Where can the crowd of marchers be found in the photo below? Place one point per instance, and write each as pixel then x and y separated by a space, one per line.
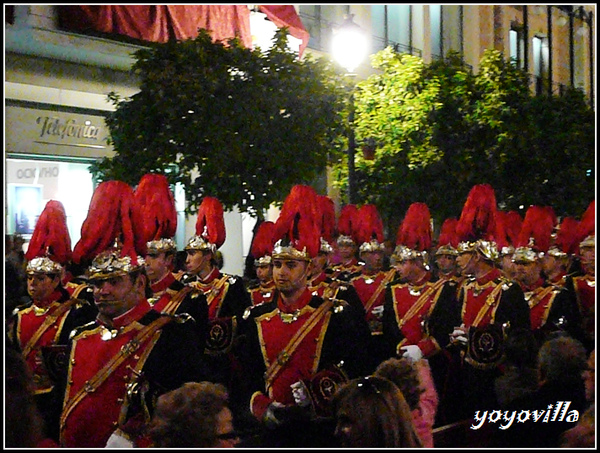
pixel 344 338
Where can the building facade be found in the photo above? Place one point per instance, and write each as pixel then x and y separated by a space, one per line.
pixel 57 81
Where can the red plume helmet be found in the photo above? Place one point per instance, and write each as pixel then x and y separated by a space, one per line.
pixel 155 215
pixel 346 224
pixel 447 241
pixel 327 217
pixel 326 208
pixel 476 229
pixel 107 233
pixel 478 217
pixel 262 245
pixel 512 222
pixel 565 242
pixel 586 231
pixel 297 230
pixel 414 236
pixel 50 246
pixel 210 226
pixel 535 236
pixel 369 229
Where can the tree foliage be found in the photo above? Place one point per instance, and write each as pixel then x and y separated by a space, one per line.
pixel 226 121
pixel 440 128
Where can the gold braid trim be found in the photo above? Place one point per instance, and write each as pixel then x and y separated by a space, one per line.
pixel 102 375
pixel 50 319
pixel 284 356
pixel 388 278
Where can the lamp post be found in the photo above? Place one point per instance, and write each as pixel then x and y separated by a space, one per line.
pixel 349 48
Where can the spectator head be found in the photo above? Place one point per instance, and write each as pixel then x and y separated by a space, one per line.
pixel 404 374
pixel 194 415
pixel 561 358
pixel 371 412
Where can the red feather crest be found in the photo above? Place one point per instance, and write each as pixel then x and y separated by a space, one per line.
pixel 263 242
pixel 478 217
pixel 566 236
pixel 587 224
pixel 327 217
pixel 347 221
pixel 369 225
pixel 448 233
pixel 298 220
pixel 210 224
pixel 415 230
pixel 51 237
pixel 155 214
pixel 108 219
pixel 537 227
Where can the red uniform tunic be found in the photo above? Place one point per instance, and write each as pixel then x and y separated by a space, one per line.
pixel 226 295
pixel 411 306
pixel 48 323
pixel 44 320
pixel 262 293
pixel 105 361
pixel 371 291
pixel 339 335
pixel 276 333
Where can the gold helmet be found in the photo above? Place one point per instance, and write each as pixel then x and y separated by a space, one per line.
pixel 534 238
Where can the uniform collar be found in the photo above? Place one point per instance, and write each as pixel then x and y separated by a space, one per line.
pixel 302 302
pixel 493 274
pixel 135 314
pixel 213 274
pixel 163 283
pixel 44 303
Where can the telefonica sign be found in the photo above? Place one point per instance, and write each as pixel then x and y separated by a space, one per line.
pixel 38 131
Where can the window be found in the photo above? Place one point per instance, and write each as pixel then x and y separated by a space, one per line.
pixel 32 183
pixel 540 64
pixel 391 25
pixel 517 46
pixel 435 20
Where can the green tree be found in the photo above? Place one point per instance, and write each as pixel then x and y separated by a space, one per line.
pixel 440 129
pixel 226 121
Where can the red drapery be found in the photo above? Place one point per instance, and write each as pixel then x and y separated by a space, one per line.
pixel 286 16
pixel 159 23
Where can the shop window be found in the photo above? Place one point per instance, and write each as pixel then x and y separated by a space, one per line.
pixel 30 184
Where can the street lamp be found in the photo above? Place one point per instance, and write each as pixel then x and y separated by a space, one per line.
pixel 349 48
